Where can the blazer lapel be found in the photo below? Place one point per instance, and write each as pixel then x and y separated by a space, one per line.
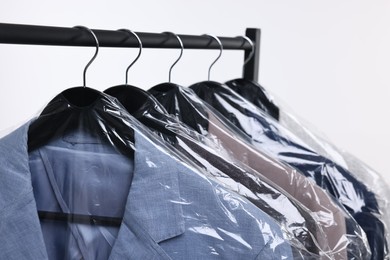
pixel 153 210
pixel 20 231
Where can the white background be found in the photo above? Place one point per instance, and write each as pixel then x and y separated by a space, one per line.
pixel 328 60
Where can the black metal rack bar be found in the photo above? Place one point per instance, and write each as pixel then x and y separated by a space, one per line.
pixel 251 69
pixel 63 36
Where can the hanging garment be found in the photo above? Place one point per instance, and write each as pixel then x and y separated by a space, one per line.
pixel 288 212
pixel 271 137
pixel 169 209
pixel 255 93
pixel 343 233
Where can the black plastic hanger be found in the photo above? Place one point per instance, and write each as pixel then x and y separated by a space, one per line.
pixel 128 95
pixel 205 85
pixel 210 83
pixel 131 97
pixel 64 113
pixel 248 89
pixel 167 93
pixel 253 91
pixel 137 101
pixel 61 107
pixel 169 84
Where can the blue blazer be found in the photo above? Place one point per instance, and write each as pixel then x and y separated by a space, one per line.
pixel 171 211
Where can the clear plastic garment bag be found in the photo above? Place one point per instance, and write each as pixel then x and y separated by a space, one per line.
pixel 275 140
pixel 345 237
pixel 289 213
pixel 316 141
pixel 86 180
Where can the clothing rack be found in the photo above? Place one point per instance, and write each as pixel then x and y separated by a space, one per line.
pixel 63 36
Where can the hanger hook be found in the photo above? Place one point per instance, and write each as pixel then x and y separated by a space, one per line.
pixel 181 53
pixel 94 56
pixel 252 48
pixel 220 52
pixel 139 52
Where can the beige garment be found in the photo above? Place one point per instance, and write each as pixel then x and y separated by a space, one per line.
pixel 330 216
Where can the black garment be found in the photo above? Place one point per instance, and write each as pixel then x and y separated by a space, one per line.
pixel 269 136
pixel 257 95
pixel 260 191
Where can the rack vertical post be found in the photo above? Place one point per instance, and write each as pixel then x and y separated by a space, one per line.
pixel 251 69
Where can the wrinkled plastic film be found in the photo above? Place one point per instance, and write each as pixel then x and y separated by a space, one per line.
pixel 99 161
pixel 318 142
pixel 275 140
pixel 345 237
pixel 364 173
pixel 289 213
pixel 237 177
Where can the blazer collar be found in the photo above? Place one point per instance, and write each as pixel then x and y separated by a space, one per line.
pixel 153 212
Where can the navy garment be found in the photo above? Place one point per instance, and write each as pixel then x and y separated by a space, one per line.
pixel 170 211
pixel 269 136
